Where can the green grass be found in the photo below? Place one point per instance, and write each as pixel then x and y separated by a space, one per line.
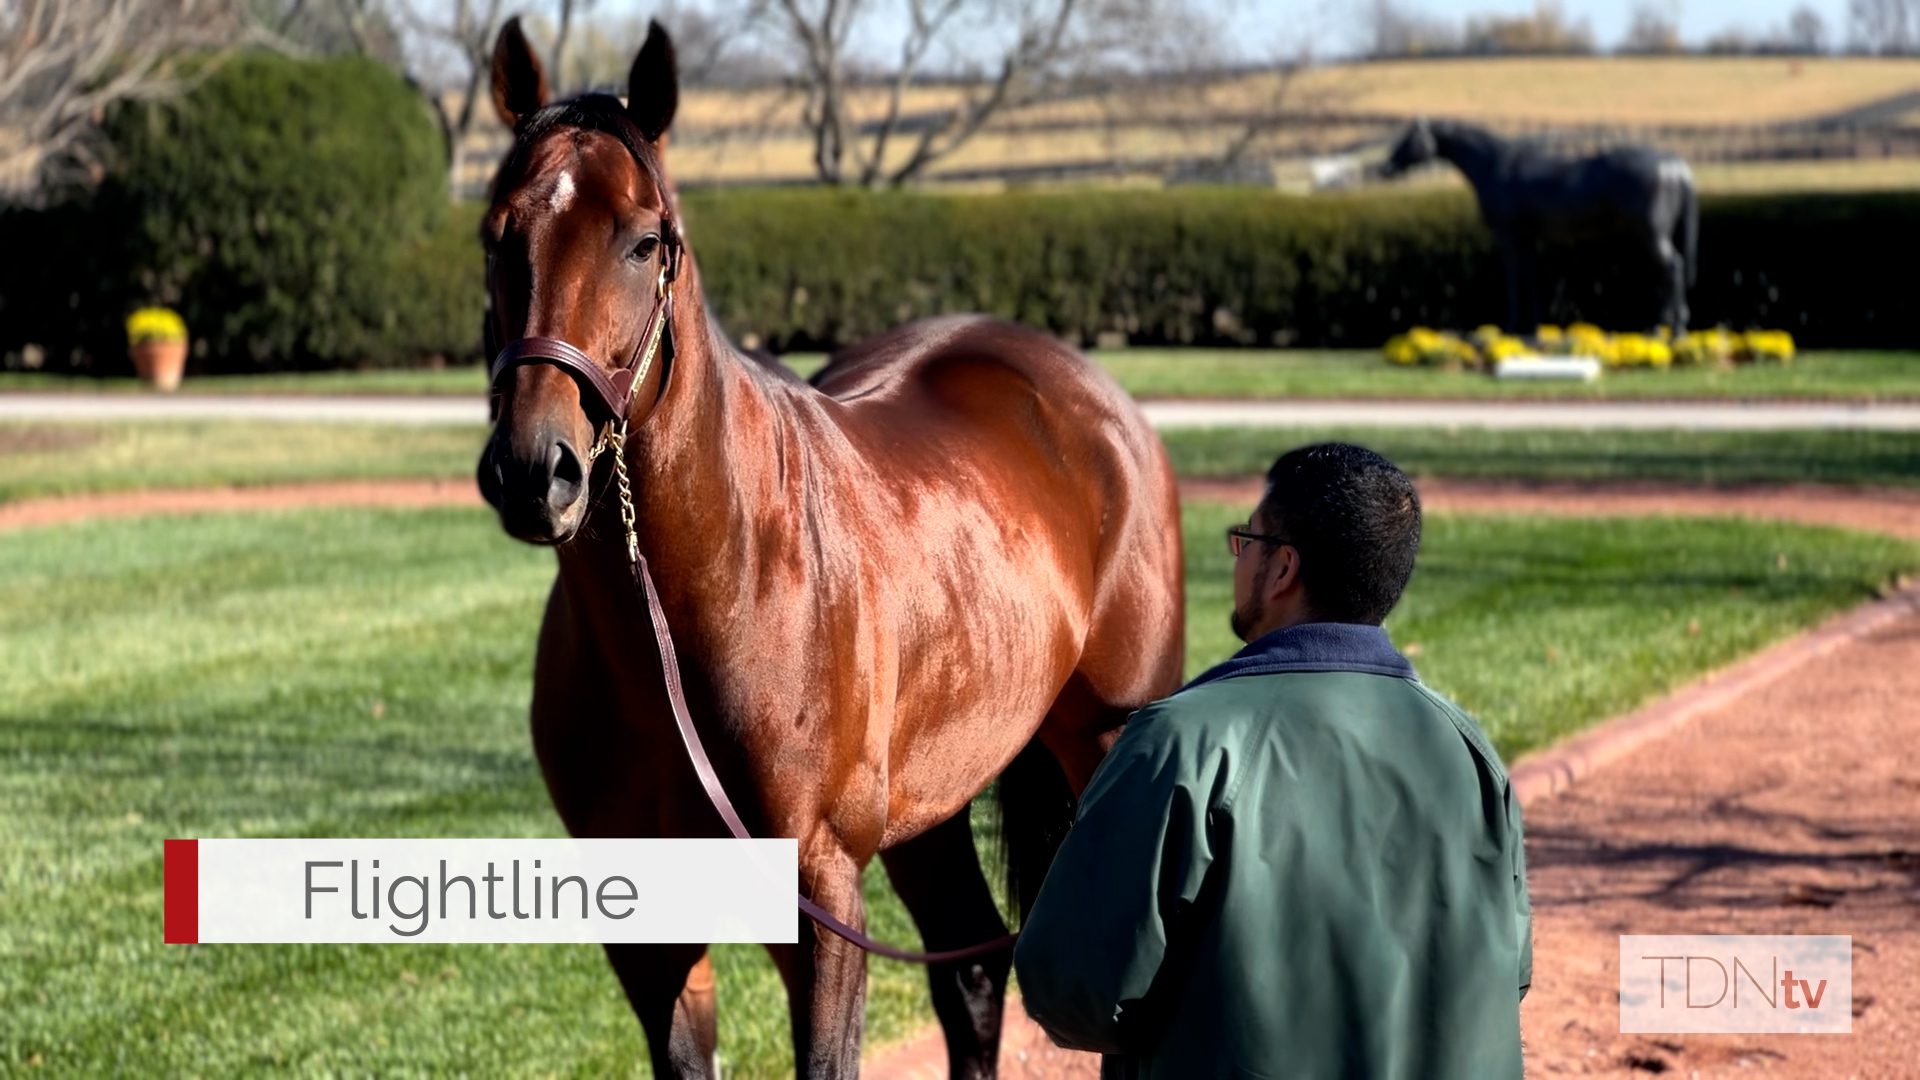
pixel 1861 458
pixel 1221 373
pixel 65 459
pixel 346 673
pixel 57 459
pixel 1315 373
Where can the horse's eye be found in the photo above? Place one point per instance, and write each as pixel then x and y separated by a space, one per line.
pixel 645 248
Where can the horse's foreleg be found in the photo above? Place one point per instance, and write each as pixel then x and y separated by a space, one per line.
pixel 826 977
pixel 671 990
pixel 938 877
pixel 1517 257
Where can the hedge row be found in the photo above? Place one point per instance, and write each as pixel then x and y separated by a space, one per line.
pixel 1224 267
pixel 804 269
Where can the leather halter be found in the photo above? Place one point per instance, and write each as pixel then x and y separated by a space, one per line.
pixel 611 403
pixel 611 400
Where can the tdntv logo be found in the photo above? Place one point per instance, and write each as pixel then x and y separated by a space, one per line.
pixel 1718 983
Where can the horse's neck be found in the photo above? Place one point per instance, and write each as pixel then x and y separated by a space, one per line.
pixel 1474 152
pixel 700 468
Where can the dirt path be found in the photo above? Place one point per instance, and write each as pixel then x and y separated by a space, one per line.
pixel 1894 511
pixel 117 504
pixel 1794 809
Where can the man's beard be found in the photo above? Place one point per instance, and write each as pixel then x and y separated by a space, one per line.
pixel 1245 618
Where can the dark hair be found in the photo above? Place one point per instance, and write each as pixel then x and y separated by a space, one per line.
pixel 1355 519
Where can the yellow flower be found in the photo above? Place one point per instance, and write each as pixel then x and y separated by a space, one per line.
pixel 155 324
pixel 1400 350
pixel 1769 345
pixel 1502 347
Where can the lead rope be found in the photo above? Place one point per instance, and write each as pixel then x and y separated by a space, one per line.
pixel 615 439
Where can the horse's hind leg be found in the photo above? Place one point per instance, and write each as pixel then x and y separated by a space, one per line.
pixel 1673 287
pixel 938 876
pixel 671 990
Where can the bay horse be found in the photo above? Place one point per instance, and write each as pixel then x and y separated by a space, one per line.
pixel 1530 197
pixel 954 555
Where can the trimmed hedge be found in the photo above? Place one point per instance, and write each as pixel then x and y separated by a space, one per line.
pixel 815 268
pixel 295 212
pixel 809 268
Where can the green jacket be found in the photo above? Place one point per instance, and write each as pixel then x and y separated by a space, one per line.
pixel 1305 863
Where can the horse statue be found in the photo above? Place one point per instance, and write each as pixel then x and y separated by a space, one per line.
pixel 954 555
pixel 1530 197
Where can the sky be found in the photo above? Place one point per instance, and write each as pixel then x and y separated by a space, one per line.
pixel 1264 28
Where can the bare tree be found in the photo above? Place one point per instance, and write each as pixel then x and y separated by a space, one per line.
pixel 1043 45
pixel 1806 31
pixel 451 42
pixel 63 63
pixel 1653 31
pixel 1548 31
pixel 1393 29
pixel 563 40
pixel 332 27
pixel 1883 26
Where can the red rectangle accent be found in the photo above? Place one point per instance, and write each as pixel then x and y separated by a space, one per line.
pixel 182 861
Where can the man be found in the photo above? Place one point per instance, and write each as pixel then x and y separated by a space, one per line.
pixel 1305 863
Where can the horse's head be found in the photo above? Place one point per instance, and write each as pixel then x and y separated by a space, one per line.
pixel 1415 148
pixel 581 244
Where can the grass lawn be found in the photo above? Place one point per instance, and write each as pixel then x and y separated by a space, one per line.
pixel 1864 458
pixel 1362 373
pixel 64 459
pixel 340 673
pixel 54 459
pixel 1217 373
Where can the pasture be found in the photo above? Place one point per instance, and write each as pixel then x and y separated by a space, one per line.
pixel 49 459
pixel 745 136
pixel 366 673
pixel 1832 375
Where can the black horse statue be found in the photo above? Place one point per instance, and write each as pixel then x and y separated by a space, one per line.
pixel 1531 198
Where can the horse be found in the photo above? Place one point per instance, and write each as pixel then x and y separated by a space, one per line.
pixel 954 554
pixel 1529 198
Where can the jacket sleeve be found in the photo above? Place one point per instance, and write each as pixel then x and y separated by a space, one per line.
pixel 1522 900
pixel 1127 875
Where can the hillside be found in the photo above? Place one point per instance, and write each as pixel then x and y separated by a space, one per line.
pixel 1735 112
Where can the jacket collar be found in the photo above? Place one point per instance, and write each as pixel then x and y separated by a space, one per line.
pixel 1314 647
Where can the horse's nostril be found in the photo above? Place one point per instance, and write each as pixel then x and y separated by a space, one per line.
pixel 565 475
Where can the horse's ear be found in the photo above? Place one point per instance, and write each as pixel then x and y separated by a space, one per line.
pixel 519 82
pixel 653 85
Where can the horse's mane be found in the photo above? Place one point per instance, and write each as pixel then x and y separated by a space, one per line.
pixel 588 112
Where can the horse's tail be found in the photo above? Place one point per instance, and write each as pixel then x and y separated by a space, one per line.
pixel 1689 226
pixel 1036 810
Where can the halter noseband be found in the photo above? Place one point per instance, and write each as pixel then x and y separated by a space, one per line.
pixel 611 399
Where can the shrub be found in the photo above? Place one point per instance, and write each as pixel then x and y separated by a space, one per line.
pixel 275 203
pixel 289 209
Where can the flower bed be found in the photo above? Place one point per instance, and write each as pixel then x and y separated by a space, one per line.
pixel 1488 345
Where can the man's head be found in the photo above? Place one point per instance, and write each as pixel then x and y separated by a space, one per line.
pixel 1333 540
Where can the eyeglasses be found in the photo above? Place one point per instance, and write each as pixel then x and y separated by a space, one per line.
pixel 1239 536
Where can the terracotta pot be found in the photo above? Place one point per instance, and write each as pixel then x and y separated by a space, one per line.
pixel 160 363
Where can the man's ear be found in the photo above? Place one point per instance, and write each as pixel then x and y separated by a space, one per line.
pixel 653 84
pixel 519 82
pixel 1283 573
